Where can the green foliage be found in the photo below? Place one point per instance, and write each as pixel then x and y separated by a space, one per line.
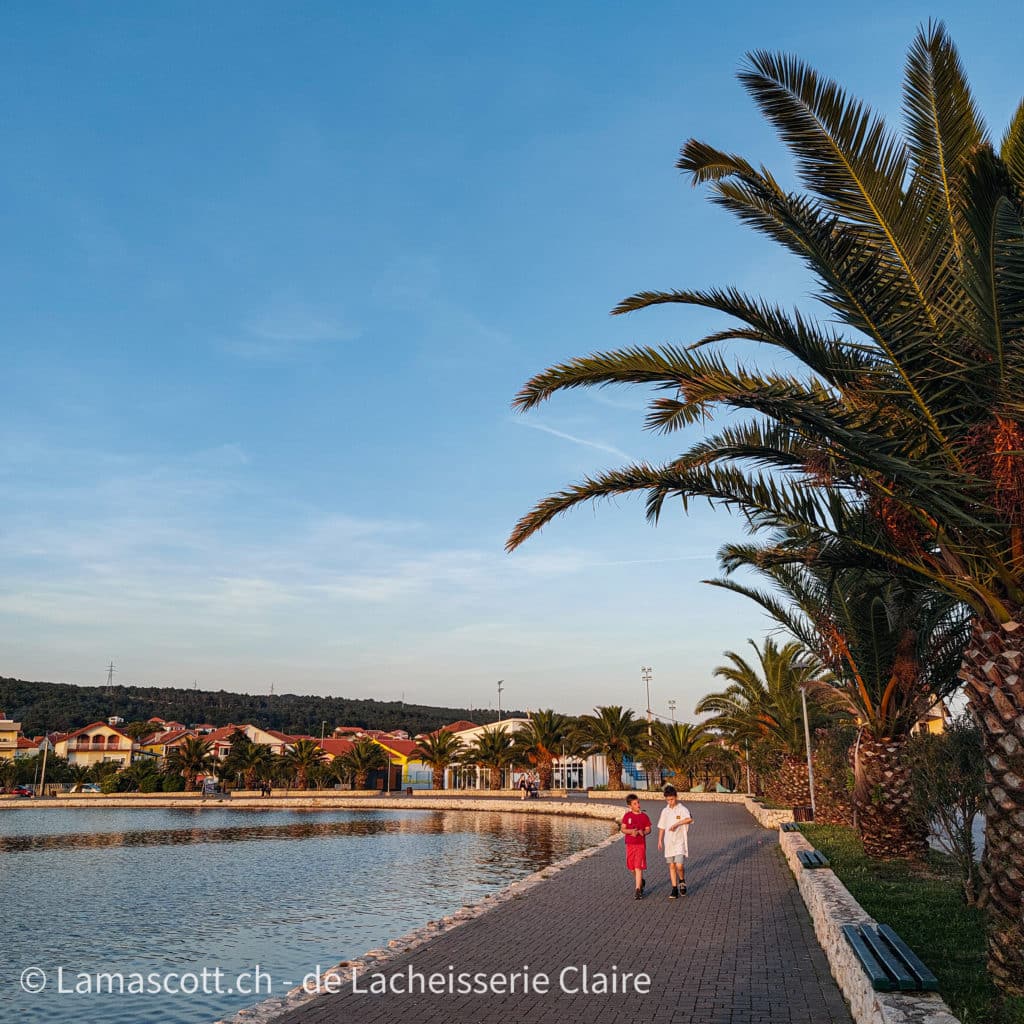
pixel 171 782
pixel 763 702
pixel 60 706
pixel 948 774
pixel 926 907
pixel 364 757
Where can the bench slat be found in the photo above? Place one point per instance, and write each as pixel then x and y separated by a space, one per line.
pixel 889 959
pixel 925 979
pixel 880 981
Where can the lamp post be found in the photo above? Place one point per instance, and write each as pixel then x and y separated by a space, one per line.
pixel 500 689
pixel 672 710
pixel 645 675
pixel 323 728
pixel 807 741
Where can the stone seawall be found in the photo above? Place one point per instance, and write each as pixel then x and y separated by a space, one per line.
pixel 831 905
pixel 138 801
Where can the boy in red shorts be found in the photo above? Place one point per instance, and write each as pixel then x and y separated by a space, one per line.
pixel 636 826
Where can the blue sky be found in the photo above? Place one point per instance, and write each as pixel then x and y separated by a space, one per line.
pixel 273 273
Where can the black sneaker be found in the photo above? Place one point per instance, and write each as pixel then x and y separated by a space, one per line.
pixel 674 894
pixel 639 894
pixel 682 890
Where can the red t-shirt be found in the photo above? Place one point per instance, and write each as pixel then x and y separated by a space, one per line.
pixel 638 820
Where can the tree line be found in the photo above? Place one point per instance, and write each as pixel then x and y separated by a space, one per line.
pixel 64 707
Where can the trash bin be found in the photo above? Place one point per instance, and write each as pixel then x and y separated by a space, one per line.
pixel 803 814
pixel 408 790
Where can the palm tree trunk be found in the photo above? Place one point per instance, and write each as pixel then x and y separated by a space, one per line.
pixel 437 776
pixel 882 801
pixel 788 785
pixel 614 772
pixel 495 780
pixel 992 669
pixel 833 801
pixel 545 772
pixel 360 780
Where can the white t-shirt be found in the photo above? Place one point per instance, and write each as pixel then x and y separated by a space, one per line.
pixel 674 842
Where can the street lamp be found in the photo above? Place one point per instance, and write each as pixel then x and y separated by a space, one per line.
pixel 807 741
pixel 500 689
pixel 672 710
pixel 645 675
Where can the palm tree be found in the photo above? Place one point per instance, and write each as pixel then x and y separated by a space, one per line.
pixel 613 732
pixel 892 647
pixel 910 409
pixel 539 742
pixel 764 703
pixel 192 758
pixel 364 757
pixel 681 748
pixel 78 775
pixel 301 758
pixel 250 761
pixel 439 750
pixel 492 750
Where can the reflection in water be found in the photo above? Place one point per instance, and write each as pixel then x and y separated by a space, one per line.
pixel 428 823
pixel 234 888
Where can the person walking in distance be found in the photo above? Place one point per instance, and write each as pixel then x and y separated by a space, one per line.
pixel 672 838
pixel 636 827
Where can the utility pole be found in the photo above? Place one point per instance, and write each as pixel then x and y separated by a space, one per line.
pixel 42 773
pixel 110 674
pixel 500 689
pixel 645 675
pixel 672 710
pixel 807 740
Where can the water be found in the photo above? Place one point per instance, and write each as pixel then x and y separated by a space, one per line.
pixel 140 891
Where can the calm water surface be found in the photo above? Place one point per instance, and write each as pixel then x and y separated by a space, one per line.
pixel 176 891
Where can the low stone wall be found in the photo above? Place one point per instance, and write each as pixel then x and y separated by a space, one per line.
pixel 343 801
pixel 763 816
pixel 655 794
pixel 831 906
pixel 490 794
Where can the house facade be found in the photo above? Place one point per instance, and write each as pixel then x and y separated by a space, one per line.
pixel 9 731
pixel 98 743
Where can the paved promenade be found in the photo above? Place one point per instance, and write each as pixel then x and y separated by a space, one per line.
pixel 738 949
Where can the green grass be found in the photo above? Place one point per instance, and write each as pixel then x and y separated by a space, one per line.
pixel 926 908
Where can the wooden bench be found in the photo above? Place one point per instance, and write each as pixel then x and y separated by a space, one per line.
pixel 812 859
pixel 887 960
pixel 790 826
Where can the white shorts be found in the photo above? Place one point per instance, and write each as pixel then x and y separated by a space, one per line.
pixel 674 858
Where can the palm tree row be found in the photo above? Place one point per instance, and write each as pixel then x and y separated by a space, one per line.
pixel 900 435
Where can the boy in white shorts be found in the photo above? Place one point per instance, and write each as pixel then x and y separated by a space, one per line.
pixel 672 828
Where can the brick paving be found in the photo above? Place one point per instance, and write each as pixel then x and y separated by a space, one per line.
pixel 738 949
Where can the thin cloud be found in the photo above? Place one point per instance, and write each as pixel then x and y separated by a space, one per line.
pixel 599 445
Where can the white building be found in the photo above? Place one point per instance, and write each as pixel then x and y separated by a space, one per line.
pixel 569 772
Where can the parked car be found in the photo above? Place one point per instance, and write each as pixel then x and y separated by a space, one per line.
pixel 22 791
pixel 90 787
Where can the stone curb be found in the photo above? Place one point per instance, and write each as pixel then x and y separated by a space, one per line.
pixel 321 803
pixel 336 978
pixel 830 905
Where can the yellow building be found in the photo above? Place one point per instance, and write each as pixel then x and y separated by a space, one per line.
pixel 404 755
pixel 8 738
pixel 96 744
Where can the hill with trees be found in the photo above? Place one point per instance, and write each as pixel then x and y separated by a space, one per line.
pixel 41 706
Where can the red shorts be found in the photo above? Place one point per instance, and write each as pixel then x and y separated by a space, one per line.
pixel 636 856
